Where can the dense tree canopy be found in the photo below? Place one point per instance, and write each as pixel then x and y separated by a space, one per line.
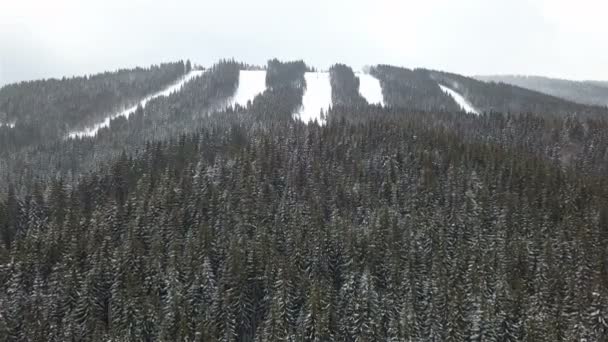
pixel 345 87
pixel 195 221
pixel 281 74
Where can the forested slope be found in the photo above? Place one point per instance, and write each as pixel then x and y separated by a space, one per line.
pixel 47 109
pixel 193 221
pixel 412 89
pixel 418 89
pixel 377 231
pixel 506 98
pixel 285 86
pixel 162 118
pixel 345 87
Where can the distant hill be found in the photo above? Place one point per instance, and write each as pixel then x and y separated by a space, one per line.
pixel 585 92
pixel 603 84
pixel 507 97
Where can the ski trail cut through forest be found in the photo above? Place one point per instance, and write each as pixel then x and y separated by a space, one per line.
pixel 251 83
pixel 370 89
pixel 462 102
pixel 92 131
pixel 317 97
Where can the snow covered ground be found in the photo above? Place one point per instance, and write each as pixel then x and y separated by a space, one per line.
pixel 92 131
pixel 251 83
pixel 316 98
pixel 9 125
pixel 462 102
pixel 370 89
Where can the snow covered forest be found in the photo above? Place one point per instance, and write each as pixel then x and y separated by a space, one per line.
pixel 204 218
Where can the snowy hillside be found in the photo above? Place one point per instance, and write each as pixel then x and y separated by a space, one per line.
pixel 251 83
pixel 92 131
pixel 370 89
pixel 462 102
pixel 317 97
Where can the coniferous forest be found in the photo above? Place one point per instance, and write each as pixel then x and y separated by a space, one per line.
pixel 191 220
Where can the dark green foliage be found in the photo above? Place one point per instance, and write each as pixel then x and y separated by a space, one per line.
pixel 162 118
pixel 412 89
pixel 345 87
pixel 389 230
pixel 285 88
pixel 281 74
pixel 277 103
pixel 386 224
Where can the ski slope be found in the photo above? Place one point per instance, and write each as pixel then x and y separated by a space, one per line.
pixel 92 131
pixel 251 83
pixel 370 89
pixel 317 97
pixel 462 102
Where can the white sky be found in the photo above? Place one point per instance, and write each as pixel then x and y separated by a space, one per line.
pixel 558 38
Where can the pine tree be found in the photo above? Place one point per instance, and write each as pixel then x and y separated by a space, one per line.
pixel 597 317
pixel 14 312
pixel 365 316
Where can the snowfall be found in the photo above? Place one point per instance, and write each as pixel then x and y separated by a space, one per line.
pixel 462 102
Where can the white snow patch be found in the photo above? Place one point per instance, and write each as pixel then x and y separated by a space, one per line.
pixel 462 102
pixel 317 97
pixel 370 89
pixel 92 131
pixel 251 83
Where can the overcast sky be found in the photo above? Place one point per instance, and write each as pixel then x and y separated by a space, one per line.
pixel 558 38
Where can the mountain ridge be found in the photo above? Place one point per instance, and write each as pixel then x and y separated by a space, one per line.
pixel 584 92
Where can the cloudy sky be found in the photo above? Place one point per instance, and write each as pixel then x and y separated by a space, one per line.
pixel 558 38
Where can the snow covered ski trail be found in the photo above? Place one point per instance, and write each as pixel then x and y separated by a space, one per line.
pixel 462 102
pixel 251 83
pixel 370 89
pixel 317 97
pixel 92 131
